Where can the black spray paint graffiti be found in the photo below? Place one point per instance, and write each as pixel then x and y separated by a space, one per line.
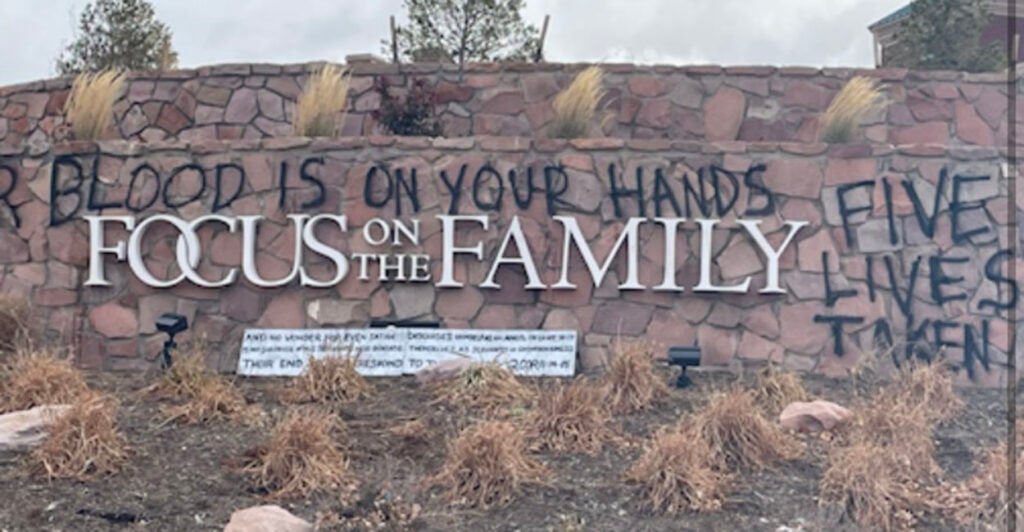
pixel 9 176
pixel 923 338
pixel 72 189
pixel 712 191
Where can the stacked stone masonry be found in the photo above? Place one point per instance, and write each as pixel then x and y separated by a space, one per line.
pixel 251 101
pixel 916 248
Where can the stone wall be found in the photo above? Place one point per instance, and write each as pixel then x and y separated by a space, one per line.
pixel 683 103
pixel 903 244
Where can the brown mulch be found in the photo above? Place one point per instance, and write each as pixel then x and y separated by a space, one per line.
pixel 187 477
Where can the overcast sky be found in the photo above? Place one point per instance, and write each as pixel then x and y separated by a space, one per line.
pixel 729 32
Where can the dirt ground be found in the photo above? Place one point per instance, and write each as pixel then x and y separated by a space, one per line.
pixel 186 478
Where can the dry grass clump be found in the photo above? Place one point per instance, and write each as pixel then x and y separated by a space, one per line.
pixel 570 418
pixel 857 99
pixel 906 436
pixel 83 442
pixel 89 108
pixel 34 378
pixel 322 103
pixel 486 389
pixel 739 436
pixel 882 470
pixel 675 473
pixel 983 498
pixel 927 388
pixel 631 382
pixel 485 465
pixel 206 395
pixel 14 322
pixel 301 457
pixel 327 380
pixel 864 481
pixel 775 389
pixel 575 106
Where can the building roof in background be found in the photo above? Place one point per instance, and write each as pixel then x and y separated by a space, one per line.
pixel 892 18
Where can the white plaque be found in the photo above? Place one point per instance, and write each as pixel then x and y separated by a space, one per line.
pixel 396 351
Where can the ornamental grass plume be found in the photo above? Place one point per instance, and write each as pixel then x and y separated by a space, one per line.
pixel 857 99
pixel 321 106
pixel 485 389
pixel 739 436
pixel 571 418
pixel 332 379
pixel 89 108
pixel 301 456
pixel 202 394
pixel 486 464
pixel 83 442
pixel 36 378
pixel 870 488
pixel 882 471
pixel 675 473
pixel 575 106
pixel 631 383
pixel 775 389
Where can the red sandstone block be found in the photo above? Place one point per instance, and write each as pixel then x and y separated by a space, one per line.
pixel 508 144
pixel 55 297
pixel 703 70
pixel 597 144
pixel 798 71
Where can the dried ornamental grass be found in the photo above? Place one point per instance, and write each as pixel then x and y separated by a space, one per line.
pixel 984 498
pixel 215 400
pixel 906 436
pixel 486 464
pixel 321 106
pixel 927 388
pixel 570 418
pixel 486 389
pixel 14 322
pixel 206 395
pixel 574 107
pixel 631 383
pixel 862 481
pixel 89 108
pixel 327 380
pixel 301 457
pixel 34 378
pixel 857 99
pixel 775 389
pixel 675 473
pixel 83 442
pixel 739 436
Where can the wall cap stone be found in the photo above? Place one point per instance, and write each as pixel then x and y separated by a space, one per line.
pixel 366 68
pixel 121 147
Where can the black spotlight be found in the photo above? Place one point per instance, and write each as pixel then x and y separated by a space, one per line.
pixel 171 324
pixel 683 357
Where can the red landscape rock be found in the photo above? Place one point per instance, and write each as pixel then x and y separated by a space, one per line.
pixel 814 416
pixel 268 518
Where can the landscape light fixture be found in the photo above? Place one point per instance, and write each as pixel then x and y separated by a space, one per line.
pixel 684 357
pixel 171 324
